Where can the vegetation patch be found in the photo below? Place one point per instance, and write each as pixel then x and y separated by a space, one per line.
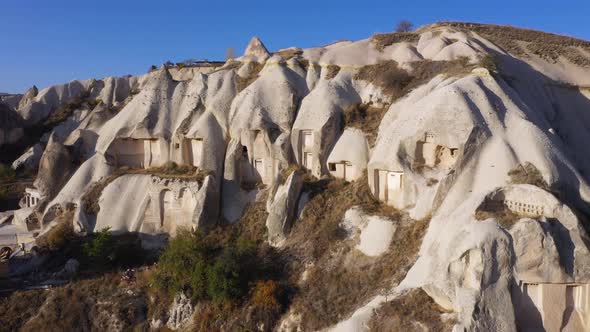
pixel 413 311
pixel 504 216
pixel 397 82
pixel 304 63
pixel 518 41
pixel 12 186
pixel 335 288
pixel 342 278
pixel 97 304
pixel 243 82
pixel 60 235
pixel 332 71
pixel 382 40
pixel 289 53
pixel 63 112
pixel 19 307
pixel 386 75
pixel 528 173
pixel 365 117
pixel 235 281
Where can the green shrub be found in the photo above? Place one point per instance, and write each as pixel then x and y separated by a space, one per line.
pixel 193 264
pixel 7 173
pixel 100 247
pixel 104 250
pixel 4 193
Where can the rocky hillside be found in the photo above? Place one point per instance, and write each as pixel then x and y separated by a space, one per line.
pixel 427 180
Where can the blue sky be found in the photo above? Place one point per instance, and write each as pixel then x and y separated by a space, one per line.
pixel 50 42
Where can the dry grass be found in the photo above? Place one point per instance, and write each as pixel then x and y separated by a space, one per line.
pixel 90 197
pixel 289 53
pixel 63 112
pixel 387 75
pixel 337 286
pixel 518 41
pixel 504 217
pixel 413 311
pixel 19 307
pixel 99 304
pixel 431 182
pixel 382 40
pixel 527 173
pixel 342 278
pixel 397 82
pixel 305 63
pixel 243 82
pixel 318 228
pixel 332 71
pixel 60 235
pixel 366 118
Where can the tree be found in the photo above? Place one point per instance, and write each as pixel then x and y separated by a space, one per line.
pixel 404 26
pixel 230 53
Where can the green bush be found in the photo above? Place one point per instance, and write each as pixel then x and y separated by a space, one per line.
pixel 6 173
pixel 4 193
pixel 101 247
pixel 190 263
pixel 105 251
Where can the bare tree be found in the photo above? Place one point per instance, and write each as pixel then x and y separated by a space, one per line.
pixel 230 53
pixel 404 26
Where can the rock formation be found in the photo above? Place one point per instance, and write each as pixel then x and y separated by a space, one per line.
pixel 454 110
pixel 281 208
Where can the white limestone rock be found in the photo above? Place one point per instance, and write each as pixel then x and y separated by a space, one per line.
pixel 48 99
pixel 181 312
pixel 351 148
pixel 31 93
pixel 553 249
pixel 372 234
pixel 55 169
pixel 282 208
pixel 30 159
pixel 537 256
pixel 256 51
pixel 11 125
pixel 320 117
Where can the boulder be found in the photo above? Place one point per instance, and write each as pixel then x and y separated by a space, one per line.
pixel 30 159
pixel 28 96
pixel 11 127
pixel 55 169
pixel 181 312
pixel 282 207
pixel 537 256
pixel 69 270
pixel 373 234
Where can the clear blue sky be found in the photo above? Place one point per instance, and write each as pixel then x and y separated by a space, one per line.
pixel 46 42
